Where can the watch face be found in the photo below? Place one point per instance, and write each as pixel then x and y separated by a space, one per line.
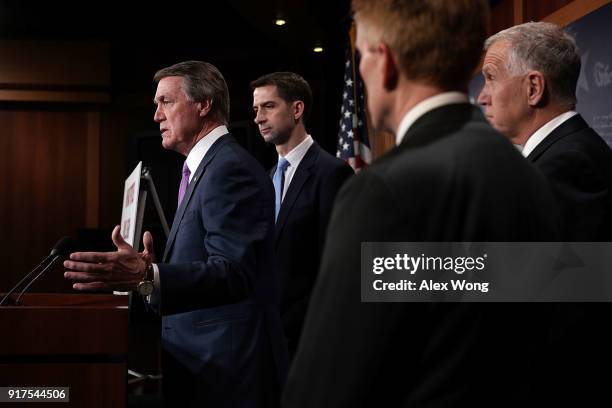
pixel 145 288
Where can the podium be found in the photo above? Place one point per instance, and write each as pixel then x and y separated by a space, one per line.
pixel 78 341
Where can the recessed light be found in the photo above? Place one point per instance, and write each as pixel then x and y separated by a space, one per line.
pixel 318 49
pixel 280 22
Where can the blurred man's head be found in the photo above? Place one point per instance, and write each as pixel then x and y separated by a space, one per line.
pixel 437 43
pixel 530 71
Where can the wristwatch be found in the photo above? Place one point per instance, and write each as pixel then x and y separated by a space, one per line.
pixel 145 288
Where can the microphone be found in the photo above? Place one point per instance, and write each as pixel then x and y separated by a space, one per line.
pixel 62 247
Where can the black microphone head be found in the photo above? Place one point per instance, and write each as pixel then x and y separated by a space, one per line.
pixel 63 247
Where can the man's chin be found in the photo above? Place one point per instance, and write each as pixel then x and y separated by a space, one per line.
pixel 276 140
pixel 497 127
pixel 167 144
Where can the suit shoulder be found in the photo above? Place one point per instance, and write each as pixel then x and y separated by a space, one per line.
pixel 233 151
pixel 581 149
pixel 233 159
pixel 363 194
pixel 371 182
pixel 455 157
pixel 331 164
pixel 237 155
pixel 585 140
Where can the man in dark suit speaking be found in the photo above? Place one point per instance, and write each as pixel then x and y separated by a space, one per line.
pixel 531 71
pixel 215 286
pixel 451 177
pixel 306 180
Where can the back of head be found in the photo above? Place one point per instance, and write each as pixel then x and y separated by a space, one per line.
pixel 202 81
pixel 290 87
pixel 546 48
pixel 435 41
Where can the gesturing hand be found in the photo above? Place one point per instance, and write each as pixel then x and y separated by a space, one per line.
pixel 121 270
pixel 147 254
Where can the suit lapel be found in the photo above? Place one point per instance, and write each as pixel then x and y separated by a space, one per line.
pixel 302 174
pixel 572 125
pixel 195 180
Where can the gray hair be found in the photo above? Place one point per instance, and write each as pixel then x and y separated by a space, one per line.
pixel 201 81
pixel 546 48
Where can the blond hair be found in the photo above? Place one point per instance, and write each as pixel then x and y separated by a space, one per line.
pixel 437 41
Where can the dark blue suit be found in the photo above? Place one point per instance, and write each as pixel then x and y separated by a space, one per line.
pixel 300 233
pixel 221 329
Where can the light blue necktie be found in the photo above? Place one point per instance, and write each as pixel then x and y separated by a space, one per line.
pixel 279 182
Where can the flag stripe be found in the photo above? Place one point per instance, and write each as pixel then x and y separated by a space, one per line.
pixel 353 141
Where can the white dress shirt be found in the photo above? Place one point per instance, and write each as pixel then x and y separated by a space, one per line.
pixel 540 134
pixel 426 105
pixel 294 157
pixel 197 153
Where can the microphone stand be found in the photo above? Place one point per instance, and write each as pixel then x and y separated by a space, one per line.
pixel 34 280
pixel 14 288
pixel 62 247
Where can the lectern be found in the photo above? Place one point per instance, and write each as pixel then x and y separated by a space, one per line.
pixel 78 341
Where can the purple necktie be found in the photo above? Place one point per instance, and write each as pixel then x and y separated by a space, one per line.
pixel 184 183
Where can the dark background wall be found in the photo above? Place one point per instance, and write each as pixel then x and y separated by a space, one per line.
pixel 76 123
pixel 76 100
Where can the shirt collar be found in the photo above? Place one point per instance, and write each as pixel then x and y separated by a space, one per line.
pixel 540 134
pixel 197 153
pixel 295 156
pixel 426 105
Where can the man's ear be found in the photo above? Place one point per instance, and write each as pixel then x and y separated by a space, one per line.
pixel 390 68
pixel 204 107
pixel 536 86
pixel 298 110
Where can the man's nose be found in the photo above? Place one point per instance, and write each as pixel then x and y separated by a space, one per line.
pixel 158 116
pixel 483 97
pixel 259 118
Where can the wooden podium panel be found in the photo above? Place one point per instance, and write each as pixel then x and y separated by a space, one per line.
pixel 67 340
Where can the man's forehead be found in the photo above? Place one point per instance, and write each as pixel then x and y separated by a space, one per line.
pixel 169 85
pixel 497 53
pixel 265 93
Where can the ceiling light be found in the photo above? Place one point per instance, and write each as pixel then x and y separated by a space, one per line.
pixel 318 49
pixel 280 22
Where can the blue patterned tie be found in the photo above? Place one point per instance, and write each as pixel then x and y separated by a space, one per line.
pixel 279 181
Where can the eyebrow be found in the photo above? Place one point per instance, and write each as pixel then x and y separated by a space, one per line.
pixel 263 103
pixel 159 98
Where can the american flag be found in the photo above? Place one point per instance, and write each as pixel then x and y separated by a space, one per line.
pixel 353 142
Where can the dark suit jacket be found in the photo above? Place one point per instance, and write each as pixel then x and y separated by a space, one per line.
pixel 300 233
pixel 221 329
pixel 578 165
pixel 453 178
